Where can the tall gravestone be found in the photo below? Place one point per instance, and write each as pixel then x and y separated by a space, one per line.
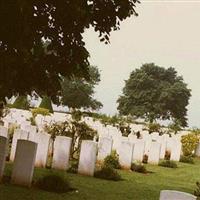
pixel 125 154
pixel 42 139
pixel 138 151
pixel 104 148
pixel 154 153
pixel 176 151
pixel 175 195
pixel 163 144
pixel 61 155
pixel 197 151
pixel 3 150
pixel 3 131
pixel 87 158
pixel 23 167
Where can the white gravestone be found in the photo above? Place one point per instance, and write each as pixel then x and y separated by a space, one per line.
pixel 3 131
pixel 23 167
pixel 18 134
pixel 42 139
pixel 87 158
pixel 125 154
pixel 154 153
pixel 176 151
pixel 3 151
pixel 104 148
pixel 163 147
pixel 197 151
pixel 175 195
pixel 138 151
pixel 61 155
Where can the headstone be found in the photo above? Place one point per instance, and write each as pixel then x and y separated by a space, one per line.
pixel 125 154
pixel 3 151
pixel 18 134
pixel 3 131
pixel 104 148
pixel 138 151
pixel 176 151
pixel 163 144
pixel 23 167
pixel 42 139
pixel 154 136
pixel 197 151
pixel 154 153
pixel 87 158
pixel 175 195
pixel 61 155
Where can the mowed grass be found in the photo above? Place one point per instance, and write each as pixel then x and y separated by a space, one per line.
pixel 135 186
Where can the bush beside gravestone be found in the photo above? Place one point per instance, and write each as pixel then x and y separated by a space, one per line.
pixel 46 103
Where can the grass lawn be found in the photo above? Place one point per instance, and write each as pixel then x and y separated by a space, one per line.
pixel 135 186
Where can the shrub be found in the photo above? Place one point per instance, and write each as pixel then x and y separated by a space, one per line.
pixel 21 103
pixel 40 111
pixel 46 103
pixel 145 159
pixel 167 155
pixel 187 159
pixel 189 143
pixel 73 167
pixel 168 163
pixel 112 160
pixel 108 173
pixel 140 168
pixel 154 127
pixel 197 191
pixel 53 183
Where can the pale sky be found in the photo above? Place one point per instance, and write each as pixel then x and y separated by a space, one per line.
pixel 166 33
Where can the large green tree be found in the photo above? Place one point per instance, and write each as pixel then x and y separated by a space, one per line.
pixel 25 24
pixel 79 92
pixel 153 92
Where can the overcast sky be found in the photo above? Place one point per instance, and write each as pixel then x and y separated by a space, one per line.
pixel 165 32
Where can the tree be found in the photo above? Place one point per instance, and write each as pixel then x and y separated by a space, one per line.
pixel 78 92
pixel 153 92
pixel 25 65
pixel 46 103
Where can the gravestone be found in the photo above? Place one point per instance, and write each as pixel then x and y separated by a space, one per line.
pixel 87 158
pixel 125 154
pixel 61 155
pixel 197 151
pixel 175 195
pixel 176 151
pixel 104 148
pixel 3 131
pixel 163 144
pixel 3 151
pixel 42 139
pixel 154 136
pixel 23 167
pixel 138 151
pixel 154 153
pixel 31 132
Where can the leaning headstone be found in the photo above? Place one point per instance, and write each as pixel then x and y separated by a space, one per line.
pixel 175 195
pixel 104 148
pixel 176 151
pixel 154 153
pixel 42 139
pixel 87 158
pixel 23 167
pixel 125 154
pixel 3 150
pixel 138 151
pixel 61 155
pixel 3 131
pixel 18 134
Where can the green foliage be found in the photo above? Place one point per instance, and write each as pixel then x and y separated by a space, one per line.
pixel 154 127
pixel 168 163
pixel 46 103
pixel 112 160
pixel 187 159
pixel 197 190
pixel 153 92
pixel 53 183
pixel 40 111
pixel 29 63
pixel 21 103
pixel 189 143
pixel 77 130
pixel 175 126
pixel 73 167
pixel 78 92
pixel 108 173
pixel 140 168
pixel 76 115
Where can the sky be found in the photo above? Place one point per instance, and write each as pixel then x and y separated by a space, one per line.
pixel 166 33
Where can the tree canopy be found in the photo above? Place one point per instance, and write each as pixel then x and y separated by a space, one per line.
pixel 153 92
pixel 25 65
pixel 78 92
